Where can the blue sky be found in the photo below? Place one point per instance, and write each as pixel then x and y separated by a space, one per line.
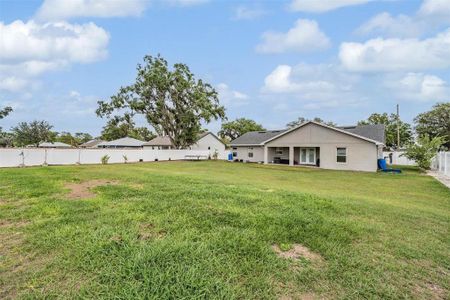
pixel 271 61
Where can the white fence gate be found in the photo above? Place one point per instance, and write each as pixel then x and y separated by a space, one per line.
pixel 441 163
pixel 37 157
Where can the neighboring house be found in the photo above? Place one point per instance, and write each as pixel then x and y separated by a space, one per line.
pixel 209 141
pixel 122 143
pixel 91 144
pixel 206 141
pixel 314 144
pixel 159 143
pixel 58 145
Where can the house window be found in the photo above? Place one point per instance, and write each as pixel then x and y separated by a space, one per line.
pixel 234 154
pixel 341 155
pixel 278 151
pixel 209 148
pixel 250 154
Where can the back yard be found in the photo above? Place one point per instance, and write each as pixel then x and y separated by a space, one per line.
pixel 222 230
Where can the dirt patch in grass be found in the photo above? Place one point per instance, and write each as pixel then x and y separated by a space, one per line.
pixel 297 251
pixel 434 291
pixel 83 190
pixel 149 231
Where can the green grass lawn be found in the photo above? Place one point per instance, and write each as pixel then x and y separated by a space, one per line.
pixel 206 230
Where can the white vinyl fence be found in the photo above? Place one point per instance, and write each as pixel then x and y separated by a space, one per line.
pixel 441 163
pixel 38 157
pixel 396 158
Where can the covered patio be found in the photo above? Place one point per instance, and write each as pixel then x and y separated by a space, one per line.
pixel 292 155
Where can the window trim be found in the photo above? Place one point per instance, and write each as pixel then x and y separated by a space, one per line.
pixel 346 155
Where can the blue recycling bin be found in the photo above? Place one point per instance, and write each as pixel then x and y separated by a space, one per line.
pixel 230 156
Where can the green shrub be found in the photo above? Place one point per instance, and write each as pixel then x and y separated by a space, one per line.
pixel 424 150
pixel 105 159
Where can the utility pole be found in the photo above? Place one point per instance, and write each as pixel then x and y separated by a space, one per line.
pixel 398 128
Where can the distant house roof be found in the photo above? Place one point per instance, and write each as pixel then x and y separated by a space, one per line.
pixel 123 142
pixel 54 145
pixel 159 141
pixel 372 133
pixel 253 138
pixel 91 143
pixel 165 140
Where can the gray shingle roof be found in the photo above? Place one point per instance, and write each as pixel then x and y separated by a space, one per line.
pixel 159 141
pixel 256 137
pixel 123 142
pixel 91 143
pixel 373 132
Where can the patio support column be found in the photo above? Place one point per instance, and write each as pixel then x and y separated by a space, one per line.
pixel 266 155
pixel 291 155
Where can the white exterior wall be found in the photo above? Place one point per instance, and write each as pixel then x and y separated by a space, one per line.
pixel 242 153
pixel 38 157
pixel 361 155
pixel 210 143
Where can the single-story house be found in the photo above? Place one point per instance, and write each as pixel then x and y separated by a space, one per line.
pixel 57 145
pixel 159 143
pixel 91 144
pixel 122 143
pixel 314 144
pixel 206 141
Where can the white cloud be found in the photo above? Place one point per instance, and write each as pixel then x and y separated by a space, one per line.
pixel 319 6
pixel 305 36
pixel 186 2
pixel 246 13
pixel 431 15
pixel 30 49
pixel 399 26
pixel 419 87
pixel 52 41
pixel 230 97
pixel 435 8
pixel 312 86
pixel 397 54
pixel 57 10
pixel 12 84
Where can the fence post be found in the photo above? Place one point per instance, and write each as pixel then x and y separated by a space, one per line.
pixel 445 163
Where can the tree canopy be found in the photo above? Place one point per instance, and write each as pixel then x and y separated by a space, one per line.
pixel 302 120
pixel 33 133
pixel 73 140
pixel 391 122
pixel 435 122
pixel 119 127
pixel 5 111
pixel 172 100
pixel 234 129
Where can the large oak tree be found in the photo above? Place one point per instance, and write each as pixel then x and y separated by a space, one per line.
pixel 172 101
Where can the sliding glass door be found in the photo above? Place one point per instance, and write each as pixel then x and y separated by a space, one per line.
pixel 308 156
